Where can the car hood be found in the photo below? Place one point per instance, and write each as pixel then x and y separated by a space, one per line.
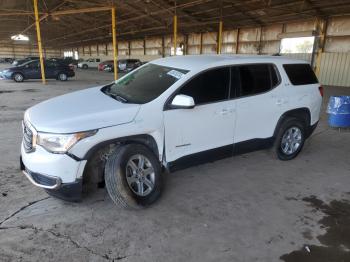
pixel 80 111
pixel 11 68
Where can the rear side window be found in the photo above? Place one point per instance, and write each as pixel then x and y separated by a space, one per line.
pixel 300 74
pixel 253 79
pixel 208 87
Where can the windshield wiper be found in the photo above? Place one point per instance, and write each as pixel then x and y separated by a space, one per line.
pixel 121 99
pixel 118 98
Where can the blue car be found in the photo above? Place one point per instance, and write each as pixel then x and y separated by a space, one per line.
pixel 32 70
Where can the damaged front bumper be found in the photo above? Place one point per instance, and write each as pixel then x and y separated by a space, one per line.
pixel 53 185
pixel 60 175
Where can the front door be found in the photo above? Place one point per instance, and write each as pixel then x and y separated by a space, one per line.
pixel 209 126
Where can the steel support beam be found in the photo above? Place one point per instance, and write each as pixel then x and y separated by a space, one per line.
pixel 82 10
pixel 114 36
pixel 38 33
pixel 237 41
pixel 219 38
pixel 320 41
pixel 175 34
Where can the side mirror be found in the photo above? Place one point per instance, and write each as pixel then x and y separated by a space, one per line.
pixel 182 102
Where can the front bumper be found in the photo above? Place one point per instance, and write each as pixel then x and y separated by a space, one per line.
pixel 5 76
pixel 59 174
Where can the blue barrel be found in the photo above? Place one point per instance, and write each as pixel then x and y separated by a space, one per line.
pixel 339 111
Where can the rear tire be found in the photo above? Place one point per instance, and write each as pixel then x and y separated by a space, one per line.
pixel 62 77
pixel 18 77
pixel 131 182
pixel 290 139
pixel 85 66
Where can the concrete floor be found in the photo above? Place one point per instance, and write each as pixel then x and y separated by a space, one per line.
pixel 246 208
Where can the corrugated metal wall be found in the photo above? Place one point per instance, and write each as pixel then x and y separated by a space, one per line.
pixel 335 69
pixel 259 40
pixel 22 50
pixel 301 56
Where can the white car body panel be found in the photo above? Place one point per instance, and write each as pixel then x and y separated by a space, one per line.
pixel 55 165
pixel 80 111
pixel 177 132
pixel 187 130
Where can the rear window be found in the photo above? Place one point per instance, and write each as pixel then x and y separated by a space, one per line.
pixel 300 74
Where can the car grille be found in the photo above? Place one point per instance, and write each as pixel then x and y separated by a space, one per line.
pixel 27 138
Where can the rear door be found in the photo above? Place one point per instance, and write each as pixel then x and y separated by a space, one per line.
pixel 304 89
pixel 51 69
pixel 260 100
pixel 209 125
pixel 32 70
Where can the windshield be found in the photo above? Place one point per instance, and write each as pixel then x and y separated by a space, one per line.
pixel 24 62
pixel 145 84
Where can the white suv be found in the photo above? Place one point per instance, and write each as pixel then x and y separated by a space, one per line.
pixel 168 114
pixel 89 63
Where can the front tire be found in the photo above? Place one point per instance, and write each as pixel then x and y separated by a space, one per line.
pixel 85 66
pixel 290 139
pixel 133 176
pixel 18 77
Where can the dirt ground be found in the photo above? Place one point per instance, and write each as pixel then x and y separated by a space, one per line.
pixel 247 208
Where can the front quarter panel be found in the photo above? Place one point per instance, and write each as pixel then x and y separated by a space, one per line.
pixel 147 122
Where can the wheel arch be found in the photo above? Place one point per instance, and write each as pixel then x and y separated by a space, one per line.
pixel 95 156
pixel 18 72
pixel 144 139
pixel 302 113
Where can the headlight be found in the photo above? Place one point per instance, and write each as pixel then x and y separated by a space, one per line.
pixel 5 71
pixel 61 143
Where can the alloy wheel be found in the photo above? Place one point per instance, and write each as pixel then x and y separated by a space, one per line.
pixel 140 175
pixel 18 77
pixel 63 77
pixel 291 140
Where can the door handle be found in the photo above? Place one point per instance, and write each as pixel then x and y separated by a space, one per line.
pixel 226 111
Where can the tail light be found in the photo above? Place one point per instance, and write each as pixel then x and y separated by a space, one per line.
pixel 321 90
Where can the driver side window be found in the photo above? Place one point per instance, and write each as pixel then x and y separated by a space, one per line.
pixel 208 87
pixel 34 64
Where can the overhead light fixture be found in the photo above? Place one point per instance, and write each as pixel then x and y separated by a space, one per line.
pixel 20 37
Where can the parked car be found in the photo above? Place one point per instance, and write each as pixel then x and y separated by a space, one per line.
pixel 24 60
pixel 124 65
pixel 66 61
pixel 169 114
pixel 6 60
pixel 101 66
pixel 32 70
pixel 89 63
pixel 70 61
